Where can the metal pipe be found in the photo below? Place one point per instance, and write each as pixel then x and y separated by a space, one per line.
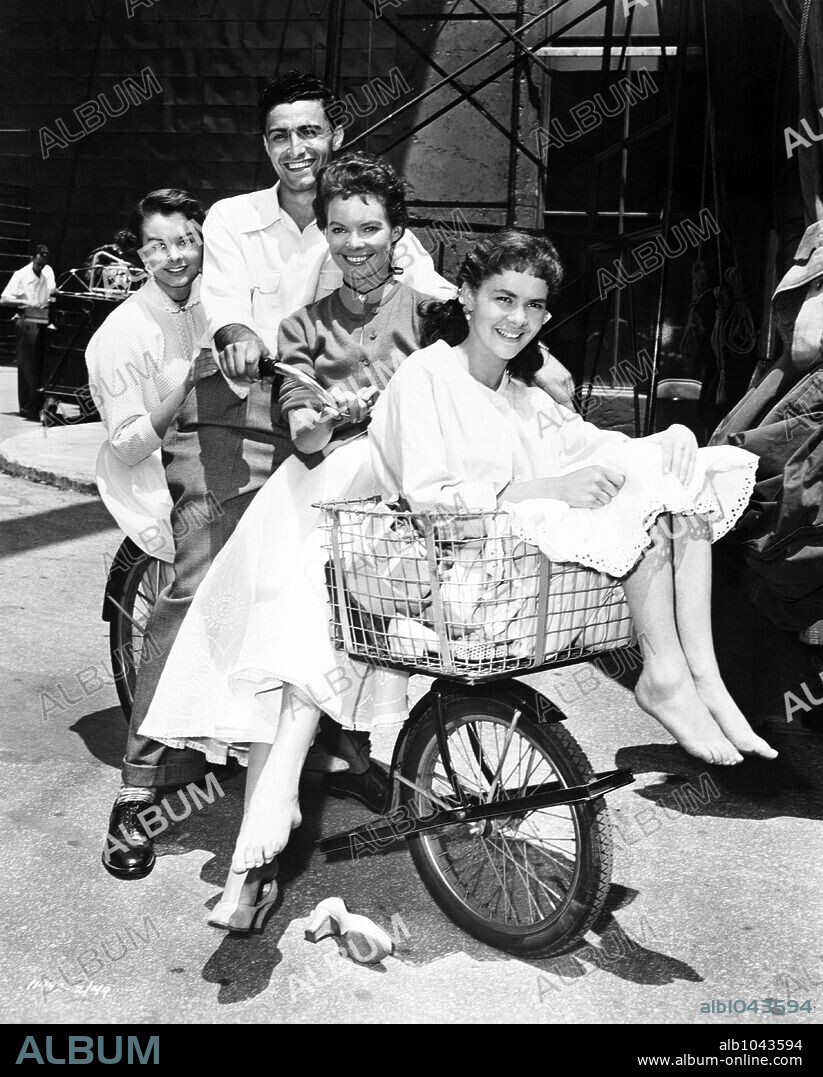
pixel 518 17
pixel 465 92
pixel 336 27
pixel 654 377
pixel 514 122
pixel 474 63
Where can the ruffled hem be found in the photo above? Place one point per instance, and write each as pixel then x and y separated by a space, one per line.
pixel 215 751
pixel 625 549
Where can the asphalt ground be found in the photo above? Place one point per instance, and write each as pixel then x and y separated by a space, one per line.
pixel 715 889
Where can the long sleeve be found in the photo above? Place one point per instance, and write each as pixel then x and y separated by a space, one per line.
pixel 295 350
pixel 13 292
pixel 413 456
pixel 136 359
pixel 227 285
pixel 559 437
pixel 118 367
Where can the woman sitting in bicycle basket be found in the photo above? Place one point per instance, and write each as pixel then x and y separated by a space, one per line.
pixel 459 425
pixel 460 429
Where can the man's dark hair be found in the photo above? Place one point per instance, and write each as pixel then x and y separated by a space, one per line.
pixel 40 248
pixel 167 200
pixel 290 87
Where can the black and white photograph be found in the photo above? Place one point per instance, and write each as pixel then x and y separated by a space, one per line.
pixel 411 524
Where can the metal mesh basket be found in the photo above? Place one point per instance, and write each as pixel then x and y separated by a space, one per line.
pixel 460 595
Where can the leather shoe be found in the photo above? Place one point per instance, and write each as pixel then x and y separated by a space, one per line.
pixel 371 788
pixel 129 850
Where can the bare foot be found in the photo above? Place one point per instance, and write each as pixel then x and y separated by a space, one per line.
pixel 266 831
pixel 673 700
pixel 730 718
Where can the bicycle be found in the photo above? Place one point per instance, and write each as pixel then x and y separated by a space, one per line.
pixel 504 817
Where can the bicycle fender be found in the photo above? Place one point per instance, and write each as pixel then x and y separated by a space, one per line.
pixel 533 703
pixel 128 554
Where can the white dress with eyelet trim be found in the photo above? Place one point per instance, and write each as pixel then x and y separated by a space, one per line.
pixel 446 441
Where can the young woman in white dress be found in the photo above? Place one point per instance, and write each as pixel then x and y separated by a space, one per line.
pixel 460 427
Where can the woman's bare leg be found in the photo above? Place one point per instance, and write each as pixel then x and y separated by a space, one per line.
pixel 273 809
pixel 258 754
pixel 692 590
pixel 666 690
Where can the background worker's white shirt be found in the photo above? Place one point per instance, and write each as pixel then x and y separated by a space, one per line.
pixel 26 287
pixel 258 267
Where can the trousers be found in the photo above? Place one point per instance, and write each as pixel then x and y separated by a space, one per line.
pixel 29 361
pixel 217 454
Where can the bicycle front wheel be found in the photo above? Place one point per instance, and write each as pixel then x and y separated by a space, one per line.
pixel 530 882
pixel 138 583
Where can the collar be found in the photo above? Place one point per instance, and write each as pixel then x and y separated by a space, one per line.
pixel 156 297
pixel 463 363
pixel 369 308
pixel 264 209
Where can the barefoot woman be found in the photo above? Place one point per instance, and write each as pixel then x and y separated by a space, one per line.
pixel 460 425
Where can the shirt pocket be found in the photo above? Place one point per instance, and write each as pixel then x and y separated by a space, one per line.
pixel 266 300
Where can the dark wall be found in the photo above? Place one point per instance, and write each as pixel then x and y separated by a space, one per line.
pixel 200 65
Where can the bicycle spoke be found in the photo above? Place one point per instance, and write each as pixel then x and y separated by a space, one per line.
pixel 513 871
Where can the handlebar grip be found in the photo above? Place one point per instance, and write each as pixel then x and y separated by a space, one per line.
pixel 265 368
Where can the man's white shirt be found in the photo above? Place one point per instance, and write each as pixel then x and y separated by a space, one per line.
pixel 258 267
pixel 26 287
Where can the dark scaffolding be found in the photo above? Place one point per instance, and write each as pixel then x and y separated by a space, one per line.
pixel 529 49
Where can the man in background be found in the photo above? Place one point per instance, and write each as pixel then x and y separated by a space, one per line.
pixel 31 289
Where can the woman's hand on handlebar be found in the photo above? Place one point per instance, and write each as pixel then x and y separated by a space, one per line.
pixel 355 407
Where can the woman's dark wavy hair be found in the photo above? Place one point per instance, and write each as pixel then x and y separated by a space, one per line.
pixel 495 254
pixel 361 173
pixel 167 200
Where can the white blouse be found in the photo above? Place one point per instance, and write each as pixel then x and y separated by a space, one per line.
pixel 475 440
pixel 140 354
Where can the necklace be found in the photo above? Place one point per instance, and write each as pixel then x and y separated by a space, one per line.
pixel 362 294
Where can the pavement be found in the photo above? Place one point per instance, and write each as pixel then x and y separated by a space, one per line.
pixel 62 456
pixel 715 888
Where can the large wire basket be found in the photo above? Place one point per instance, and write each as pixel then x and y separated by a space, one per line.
pixel 460 595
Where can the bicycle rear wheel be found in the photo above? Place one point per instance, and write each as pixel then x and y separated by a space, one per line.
pixel 135 582
pixel 529 883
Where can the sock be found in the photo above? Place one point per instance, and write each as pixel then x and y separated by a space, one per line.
pixel 135 794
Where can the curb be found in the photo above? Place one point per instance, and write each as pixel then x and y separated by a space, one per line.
pixel 51 478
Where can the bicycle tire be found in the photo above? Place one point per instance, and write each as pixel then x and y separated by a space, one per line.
pixel 132 594
pixel 581 906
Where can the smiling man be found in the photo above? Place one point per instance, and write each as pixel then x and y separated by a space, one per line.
pixel 265 256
